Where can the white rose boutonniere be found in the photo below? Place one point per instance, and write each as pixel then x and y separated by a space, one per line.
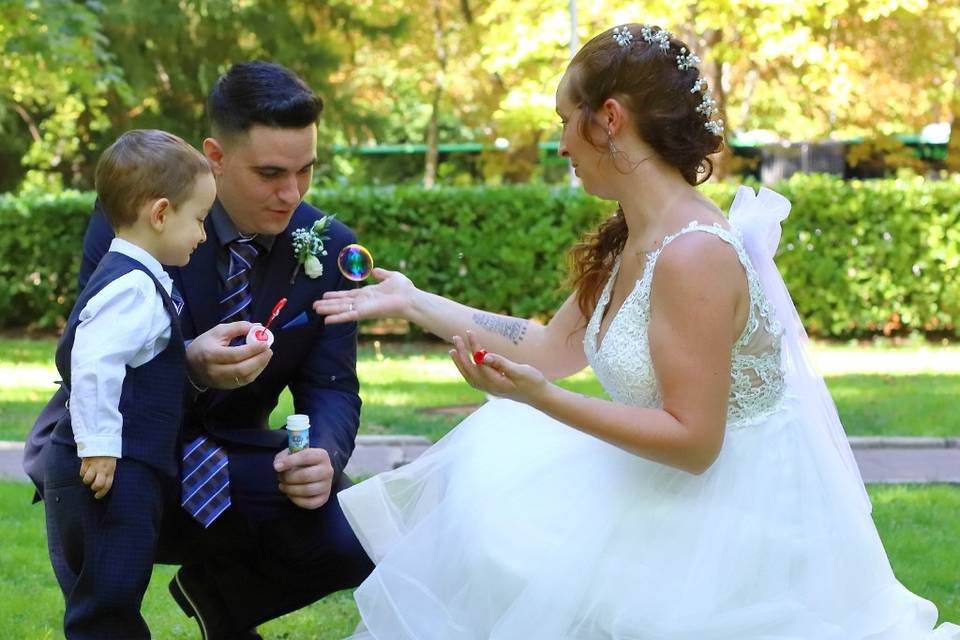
pixel 308 247
pixel 312 266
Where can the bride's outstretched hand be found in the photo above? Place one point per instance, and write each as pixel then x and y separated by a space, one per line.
pixel 387 299
pixel 495 374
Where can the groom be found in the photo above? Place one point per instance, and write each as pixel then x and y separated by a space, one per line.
pixel 283 542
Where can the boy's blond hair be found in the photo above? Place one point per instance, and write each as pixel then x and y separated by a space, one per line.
pixel 142 165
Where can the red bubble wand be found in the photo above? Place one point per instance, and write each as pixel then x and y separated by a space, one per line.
pixel 276 311
pixel 261 334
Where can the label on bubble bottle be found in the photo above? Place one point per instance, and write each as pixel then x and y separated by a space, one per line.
pixel 298 432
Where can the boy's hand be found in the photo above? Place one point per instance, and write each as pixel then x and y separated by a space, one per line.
pixel 97 473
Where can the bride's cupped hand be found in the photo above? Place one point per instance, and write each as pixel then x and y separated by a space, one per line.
pixel 389 298
pixel 495 374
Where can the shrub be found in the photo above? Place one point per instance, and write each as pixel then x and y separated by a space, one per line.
pixel 40 239
pixel 860 258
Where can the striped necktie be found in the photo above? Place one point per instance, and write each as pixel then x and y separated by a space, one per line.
pixel 236 297
pixel 205 480
pixel 205 475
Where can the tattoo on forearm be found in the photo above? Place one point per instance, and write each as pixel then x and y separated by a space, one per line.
pixel 510 328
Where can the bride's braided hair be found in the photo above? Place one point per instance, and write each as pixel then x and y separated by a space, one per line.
pixel 666 99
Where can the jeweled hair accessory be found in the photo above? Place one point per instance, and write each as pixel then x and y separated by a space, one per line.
pixel 686 60
pixel 623 36
pixel 708 106
pixel 659 37
pixel 715 126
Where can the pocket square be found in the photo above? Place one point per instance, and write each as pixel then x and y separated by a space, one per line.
pixel 296 321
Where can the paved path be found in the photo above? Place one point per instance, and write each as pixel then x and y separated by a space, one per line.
pixel 881 460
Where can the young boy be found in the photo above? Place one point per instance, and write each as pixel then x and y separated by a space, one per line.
pixel 122 358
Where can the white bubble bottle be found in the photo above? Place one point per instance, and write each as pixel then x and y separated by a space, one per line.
pixel 298 432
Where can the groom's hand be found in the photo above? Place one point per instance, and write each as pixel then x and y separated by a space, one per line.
pixel 212 362
pixel 305 476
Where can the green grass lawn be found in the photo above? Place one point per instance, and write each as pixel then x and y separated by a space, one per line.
pixel 31 606
pixel 918 525
pixel 879 390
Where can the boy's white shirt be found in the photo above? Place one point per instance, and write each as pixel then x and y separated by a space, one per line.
pixel 124 324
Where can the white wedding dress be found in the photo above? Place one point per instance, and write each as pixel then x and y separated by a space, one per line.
pixel 517 527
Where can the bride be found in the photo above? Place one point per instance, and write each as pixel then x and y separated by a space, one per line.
pixel 712 497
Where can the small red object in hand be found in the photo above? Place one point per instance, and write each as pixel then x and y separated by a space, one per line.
pixel 478 355
pixel 261 335
pixel 273 316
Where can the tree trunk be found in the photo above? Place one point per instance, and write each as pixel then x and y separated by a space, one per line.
pixel 29 121
pixel 433 134
pixel 713 71
pixel 433 146
pixel 953 142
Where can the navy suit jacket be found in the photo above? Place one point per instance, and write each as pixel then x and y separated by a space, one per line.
pixel 317 362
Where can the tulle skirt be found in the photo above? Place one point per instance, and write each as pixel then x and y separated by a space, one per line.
pixel 517 527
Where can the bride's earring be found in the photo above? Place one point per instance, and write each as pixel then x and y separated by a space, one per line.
pixel 613 147
pixel 614 152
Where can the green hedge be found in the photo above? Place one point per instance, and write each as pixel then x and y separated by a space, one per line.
pixel 877 256
pixel 860 257
pixel 40 239
pixel 501 249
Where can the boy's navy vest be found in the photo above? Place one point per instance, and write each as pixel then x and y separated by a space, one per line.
pixel 151 402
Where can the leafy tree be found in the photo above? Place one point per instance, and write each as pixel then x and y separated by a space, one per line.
pixel 56 73
pixel 74 74
pixel 78 73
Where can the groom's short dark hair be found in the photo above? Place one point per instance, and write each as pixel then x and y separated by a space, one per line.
pixel 259 92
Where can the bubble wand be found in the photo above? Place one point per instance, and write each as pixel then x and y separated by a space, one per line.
pixel 262 333
pixel 276 311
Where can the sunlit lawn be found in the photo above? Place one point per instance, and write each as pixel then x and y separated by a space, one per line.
pixel 31 606
pixel 879 390
pixel 919 527
pixel 905 391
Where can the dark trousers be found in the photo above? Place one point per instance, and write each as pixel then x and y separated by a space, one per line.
pixel 265 556
pixel 102 550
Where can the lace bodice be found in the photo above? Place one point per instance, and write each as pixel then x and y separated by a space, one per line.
pixel 623 364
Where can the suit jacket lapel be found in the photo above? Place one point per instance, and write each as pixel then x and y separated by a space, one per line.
pixel 276 278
